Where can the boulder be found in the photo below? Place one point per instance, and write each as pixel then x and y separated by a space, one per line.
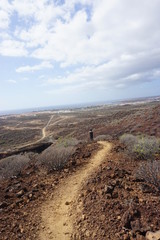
pixel 153 235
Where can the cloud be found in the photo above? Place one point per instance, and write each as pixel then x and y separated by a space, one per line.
pixel 12 81
pixel 13 48
pixel 5 13
pixel 34 68
pixel 118 73
pixel 104 43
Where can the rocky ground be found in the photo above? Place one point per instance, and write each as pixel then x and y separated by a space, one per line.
pixel 21 197
pixel 115 205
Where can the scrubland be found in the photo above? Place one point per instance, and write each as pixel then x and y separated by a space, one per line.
pixel 120 200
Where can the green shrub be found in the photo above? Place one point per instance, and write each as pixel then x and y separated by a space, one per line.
pixel 146 148
pixel 141 147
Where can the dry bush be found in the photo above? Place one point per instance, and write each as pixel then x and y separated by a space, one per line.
pixel 103 138
pixel 128 139
pixel 12 166
pixel 55 157
pixel 150 173
pixel 146 148
pixel 140 146
pixel 67 142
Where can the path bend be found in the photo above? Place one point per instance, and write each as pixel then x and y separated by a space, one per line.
pixel 57 220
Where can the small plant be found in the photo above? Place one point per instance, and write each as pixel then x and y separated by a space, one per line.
pixel 12 166
pixel 55 157
pixel 146 148
pixel 141 147
pixel 150 173
pixel 67 141
pixel 128 139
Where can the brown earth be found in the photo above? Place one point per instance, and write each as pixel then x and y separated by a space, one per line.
pixel 109 201
pixel 57 214
pixel 108 204
pixel 115 205
pixel 22 196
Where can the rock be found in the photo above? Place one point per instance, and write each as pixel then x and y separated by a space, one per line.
pixel 3 205
pixel 108 189
pixel 20 193
pixel 102 218
pixel 67 203
pixel 30 195
pixel 128 216
pixel 115 195
pixel 87 233
pixel 136 225
pixel 126 237
pixel 83 217
pixel 109 168
pixel 153 235
pixel 66 170
pixel 146 188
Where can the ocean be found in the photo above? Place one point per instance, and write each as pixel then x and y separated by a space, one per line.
pixel 54 108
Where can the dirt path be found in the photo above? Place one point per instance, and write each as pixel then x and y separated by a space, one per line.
pixel 57 214
pixel 44 134
pixel 44 129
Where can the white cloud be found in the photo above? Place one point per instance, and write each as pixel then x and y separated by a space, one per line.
pixel 5 12
pixel 34 68
pixel 12 81
pixel 13 48
pixel 116 42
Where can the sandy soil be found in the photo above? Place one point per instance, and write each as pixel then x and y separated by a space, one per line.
pixel 57 214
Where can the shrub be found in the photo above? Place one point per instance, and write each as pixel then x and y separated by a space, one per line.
pixel 128 139
pixel 55 157
pixel 12 166
pixel 150 173
pixel 67 141
pixel 146 148
pixel 141 147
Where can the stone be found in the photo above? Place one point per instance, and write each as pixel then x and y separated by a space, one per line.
pixel 20 193
pixel 136 225
pixel 3 205
pixel 153 235
pixel 108 189
pixel 146 188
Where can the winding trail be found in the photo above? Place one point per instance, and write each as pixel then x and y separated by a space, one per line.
pixel 58 214
pixel 44 134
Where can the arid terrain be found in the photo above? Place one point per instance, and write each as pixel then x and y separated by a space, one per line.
pixel 57 184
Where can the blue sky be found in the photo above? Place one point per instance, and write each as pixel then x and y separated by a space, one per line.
pixel 55 52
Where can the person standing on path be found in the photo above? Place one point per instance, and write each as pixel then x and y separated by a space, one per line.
pixel 91 134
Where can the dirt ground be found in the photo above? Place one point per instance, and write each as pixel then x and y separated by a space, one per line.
pixel 97 194
pixel 115 205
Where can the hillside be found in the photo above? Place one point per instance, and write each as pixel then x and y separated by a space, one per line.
pixel 92 193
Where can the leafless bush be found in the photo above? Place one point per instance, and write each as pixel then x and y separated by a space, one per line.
pixel 128 139
pixel 103 138
pixel 67 141
pixel 55 157
pixel 150 173
pixel 12 166
pixel 141 147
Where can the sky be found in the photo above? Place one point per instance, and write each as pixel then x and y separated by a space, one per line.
pixel 56 52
